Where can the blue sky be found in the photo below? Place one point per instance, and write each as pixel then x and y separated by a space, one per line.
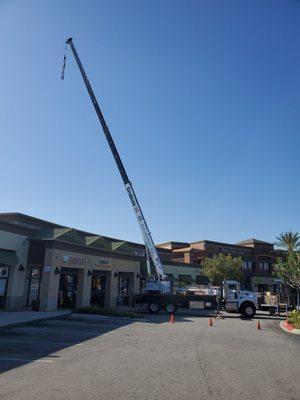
pixel 202 98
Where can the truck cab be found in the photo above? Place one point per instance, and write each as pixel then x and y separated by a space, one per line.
pixel 235 299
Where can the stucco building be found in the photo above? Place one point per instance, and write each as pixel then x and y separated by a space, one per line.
pixel 50 266
pixel 47 266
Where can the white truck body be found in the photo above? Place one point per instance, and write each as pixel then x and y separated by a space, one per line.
pixel 238 300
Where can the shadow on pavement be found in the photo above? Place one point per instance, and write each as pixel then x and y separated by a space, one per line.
pixel 39 341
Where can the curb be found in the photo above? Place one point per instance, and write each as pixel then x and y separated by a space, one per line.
pixel 15 324
pixel 106 317
pixel 284 325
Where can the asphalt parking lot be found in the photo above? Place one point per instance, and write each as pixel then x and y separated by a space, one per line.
pixel 113 358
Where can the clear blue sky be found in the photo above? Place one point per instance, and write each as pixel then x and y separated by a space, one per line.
pixel 202 98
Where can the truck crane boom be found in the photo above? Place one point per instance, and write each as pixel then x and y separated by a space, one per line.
pixel 162 284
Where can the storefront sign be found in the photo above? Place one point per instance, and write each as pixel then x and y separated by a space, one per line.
pixel 102 262
pixel 139 253
pixel 230 251
pixel 69 259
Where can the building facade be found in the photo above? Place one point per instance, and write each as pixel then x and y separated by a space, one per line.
pixel 258 259
pixel 48 266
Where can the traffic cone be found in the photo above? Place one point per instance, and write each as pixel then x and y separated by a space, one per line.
pixel 258 325
pixel 172 319
pixel 210 322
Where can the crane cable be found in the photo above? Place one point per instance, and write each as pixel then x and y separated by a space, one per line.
pixel 64 64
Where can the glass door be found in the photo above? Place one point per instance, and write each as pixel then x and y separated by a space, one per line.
pixel 3 284
pixel 125 289
pixel 67 290
pixel 34 285
pixel 98 290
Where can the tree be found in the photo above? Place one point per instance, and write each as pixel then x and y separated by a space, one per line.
pixel 221 268
pixel 290 241
pixel 289 271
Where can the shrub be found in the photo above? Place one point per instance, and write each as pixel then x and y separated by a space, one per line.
pixel 294 319
pixel 97 310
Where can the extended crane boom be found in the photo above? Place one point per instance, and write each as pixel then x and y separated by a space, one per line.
pixel 162 285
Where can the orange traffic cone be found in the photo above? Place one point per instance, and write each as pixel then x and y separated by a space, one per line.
pixel 258 325
pixel 210 322
pixel 172 319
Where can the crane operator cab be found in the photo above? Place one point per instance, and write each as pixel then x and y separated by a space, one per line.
pixel 156 285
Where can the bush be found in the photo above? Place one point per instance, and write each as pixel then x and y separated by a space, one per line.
pixel 294 319
pixel 97 310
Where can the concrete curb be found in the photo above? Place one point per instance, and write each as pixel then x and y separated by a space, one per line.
pixel 284 325
pixel 106 317
pixel 44 318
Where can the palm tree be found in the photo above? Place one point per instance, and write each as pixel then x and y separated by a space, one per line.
pixel 289 241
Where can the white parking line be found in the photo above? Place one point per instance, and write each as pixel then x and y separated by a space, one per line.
pixel 37 342
pixel 25 360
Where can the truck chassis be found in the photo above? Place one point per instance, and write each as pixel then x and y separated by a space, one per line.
pixel 171 302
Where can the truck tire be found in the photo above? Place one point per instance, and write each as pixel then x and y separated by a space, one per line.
pixel 272 310
pixel 248 309
pixel 170 308
pixel 154 308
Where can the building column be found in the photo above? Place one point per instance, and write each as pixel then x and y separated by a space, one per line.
pixel 113 291
pixel 16 277
pixel 49 284
pixel 15 288
pixel 83 298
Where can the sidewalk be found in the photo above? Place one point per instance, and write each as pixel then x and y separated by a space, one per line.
pixel 9 319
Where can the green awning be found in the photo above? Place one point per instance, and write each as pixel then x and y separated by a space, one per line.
pixel 185 278
pixel 8 257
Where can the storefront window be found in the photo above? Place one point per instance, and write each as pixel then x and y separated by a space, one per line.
pixel 67 290
pixel 125 288
pixel 34 285
pixel 3 284
pixel 98 290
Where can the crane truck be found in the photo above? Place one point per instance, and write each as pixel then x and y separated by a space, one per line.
pixel 157 291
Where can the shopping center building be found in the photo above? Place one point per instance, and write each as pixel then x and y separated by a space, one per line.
pixel 46 266
pixel 257 256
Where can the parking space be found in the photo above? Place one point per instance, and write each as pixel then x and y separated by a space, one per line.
pixel 39 342
pixel 115 358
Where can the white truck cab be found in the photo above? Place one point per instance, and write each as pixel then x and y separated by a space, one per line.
pixel 238 300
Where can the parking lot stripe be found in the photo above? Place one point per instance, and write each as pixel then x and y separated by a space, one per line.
pixel 38 342
pixel 25 360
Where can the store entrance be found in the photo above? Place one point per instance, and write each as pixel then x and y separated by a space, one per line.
pixel 67 288
pixel 98 290
pixel 3 284
pixel 125 288
pixel 34 286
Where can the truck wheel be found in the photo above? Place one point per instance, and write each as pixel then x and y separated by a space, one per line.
pixel 272 311
pixel 170 308
pixel 154 308
pixel 248 310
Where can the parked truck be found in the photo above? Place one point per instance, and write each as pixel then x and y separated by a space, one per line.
pixel 232 299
